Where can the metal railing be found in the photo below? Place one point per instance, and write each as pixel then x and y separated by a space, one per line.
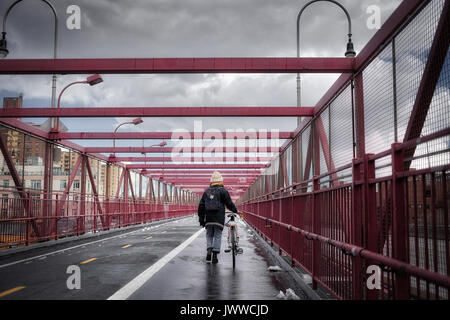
pixel 22 221
pixel 398 222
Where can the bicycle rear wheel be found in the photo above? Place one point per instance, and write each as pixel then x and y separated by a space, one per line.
pixel 233 246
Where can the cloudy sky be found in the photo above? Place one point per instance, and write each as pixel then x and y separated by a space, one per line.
pixel 187 28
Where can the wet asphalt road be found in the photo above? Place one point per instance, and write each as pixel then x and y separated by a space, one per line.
pixel 109 262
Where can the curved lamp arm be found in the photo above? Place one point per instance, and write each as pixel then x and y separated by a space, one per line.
pixel 349 53
pixel 66 87
pixel 135 122
pixel 307 5
pixel 5 17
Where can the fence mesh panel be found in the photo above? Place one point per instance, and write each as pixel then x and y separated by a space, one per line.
pixel 379 102
pixel 341 141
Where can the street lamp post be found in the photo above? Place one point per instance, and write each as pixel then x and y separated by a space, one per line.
pixel 162 144
pixel 92 81
pixel 135 122
pixel 3 44
pixel 350 52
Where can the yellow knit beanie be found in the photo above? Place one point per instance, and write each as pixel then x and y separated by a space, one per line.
pixel 216 177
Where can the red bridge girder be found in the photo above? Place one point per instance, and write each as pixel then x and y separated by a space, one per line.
pixel 197 166
pixel 177 65
pixel 158 112
pixel 168 135
pixel 178 149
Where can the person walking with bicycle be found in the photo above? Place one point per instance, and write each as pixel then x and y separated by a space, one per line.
pixel 211 213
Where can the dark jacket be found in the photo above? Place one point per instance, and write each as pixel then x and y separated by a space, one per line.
pixel 217 217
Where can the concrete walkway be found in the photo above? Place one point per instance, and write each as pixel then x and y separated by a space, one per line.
pixel 109 263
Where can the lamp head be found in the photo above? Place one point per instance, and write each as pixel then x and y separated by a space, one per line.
pixel 350 53
pixel 94 79
pixel 137 121
pixel 3 47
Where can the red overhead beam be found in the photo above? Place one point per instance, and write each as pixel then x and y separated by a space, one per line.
pixel 176 65
pixel 200 185
pixel 196 166
pixel 168 135
pixel 178 150
pixel 225 179
pixel 205 172
pixel 191 159
pixel 158 112
pixel 189 176
pixel 202 182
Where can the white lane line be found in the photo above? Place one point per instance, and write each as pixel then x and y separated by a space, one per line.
pixel 126 291
pixel 74 247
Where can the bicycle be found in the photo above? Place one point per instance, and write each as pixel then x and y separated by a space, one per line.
pixel 233 238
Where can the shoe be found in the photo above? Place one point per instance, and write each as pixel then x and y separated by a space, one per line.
pixel 208 255
pixel 239 250
pixel 214 258
pixel 227 249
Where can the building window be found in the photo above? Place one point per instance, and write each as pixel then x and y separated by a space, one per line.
pixel 62 184
pixel 36 184
pixel 76 184
pixel 5 183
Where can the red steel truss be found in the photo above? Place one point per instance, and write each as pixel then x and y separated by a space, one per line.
pixel 177 65
pixel 159 112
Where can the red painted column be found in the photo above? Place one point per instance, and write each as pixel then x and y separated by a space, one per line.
pixel 357 214
pixel 364 222
pixel 126 182
pixel 316 208
pixel 82 219
pixel 400 223
pixel 107 194
pixel 359 117
pixel 370 217
pixel 47 205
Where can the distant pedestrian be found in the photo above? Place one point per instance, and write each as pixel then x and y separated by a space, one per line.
pixel 211 213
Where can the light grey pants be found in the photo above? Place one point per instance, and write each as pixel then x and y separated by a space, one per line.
pixel 213 237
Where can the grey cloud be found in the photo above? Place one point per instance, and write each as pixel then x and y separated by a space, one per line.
pixel 189 28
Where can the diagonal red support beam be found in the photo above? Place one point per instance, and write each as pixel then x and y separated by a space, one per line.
pixel 73 174
pixel 167 135
pixel 308 160
pixel 11 167
pixel 326 149
pixel 176 65
pixel 119 186
pixel 15 176
pixel 430 78
pixel 94 190
pixel 132 190
pixel 158 112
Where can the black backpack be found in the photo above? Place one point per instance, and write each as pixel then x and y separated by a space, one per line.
pixel 212 202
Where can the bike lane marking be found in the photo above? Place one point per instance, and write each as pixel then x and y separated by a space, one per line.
pixel 141 279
